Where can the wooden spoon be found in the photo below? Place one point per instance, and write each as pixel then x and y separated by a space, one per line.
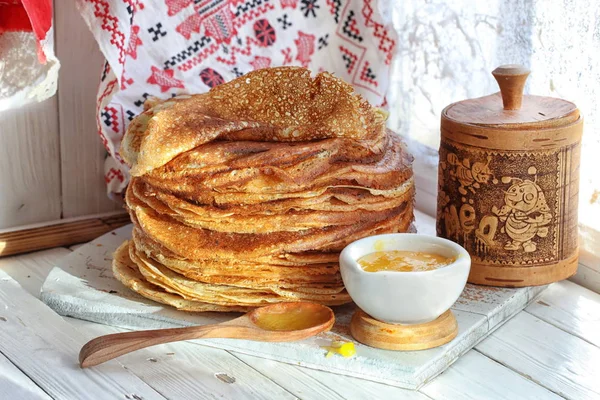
pixel 283 322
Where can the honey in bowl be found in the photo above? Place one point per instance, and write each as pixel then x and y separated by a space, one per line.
pixel 403 261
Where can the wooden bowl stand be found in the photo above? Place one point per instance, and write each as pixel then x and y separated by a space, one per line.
pixel 382 335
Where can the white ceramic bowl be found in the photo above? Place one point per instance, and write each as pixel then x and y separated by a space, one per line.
pixel 405 297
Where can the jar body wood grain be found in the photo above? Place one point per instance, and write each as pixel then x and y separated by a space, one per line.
pixel 508 194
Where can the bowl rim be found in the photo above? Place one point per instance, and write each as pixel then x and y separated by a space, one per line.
pixel 462 254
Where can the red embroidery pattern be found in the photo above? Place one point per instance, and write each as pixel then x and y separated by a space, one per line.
pixel 164 79
pixel 289 3
pixel 352 50
pixel 260 62
pixel 111 116
pixel 191 24
pixel 305 45
pixel 265 34
pixel 135 5
pixel 351 27
pixel 174 6
pixel 211 78
pixel 334 8
pixel 367 75
pixel 246 51
pixel 252 14
pixel 114 173
pixel 386 44
pixel 134 42
pixel 217 18
pixel 287 56
pixel 110 23
pixel 125 81
pixel 203 55
pixel 349 58
pixel 108 89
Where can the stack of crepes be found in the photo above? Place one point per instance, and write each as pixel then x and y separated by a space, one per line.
pixel 245 195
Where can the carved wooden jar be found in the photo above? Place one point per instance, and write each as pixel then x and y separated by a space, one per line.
pixel 508 183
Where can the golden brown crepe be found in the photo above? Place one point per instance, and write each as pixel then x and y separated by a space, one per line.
pixel 245 195
pixel 127 272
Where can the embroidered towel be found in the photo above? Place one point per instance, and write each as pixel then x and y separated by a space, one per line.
pixel 167 47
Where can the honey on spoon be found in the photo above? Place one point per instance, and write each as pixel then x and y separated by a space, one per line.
pixel 282 322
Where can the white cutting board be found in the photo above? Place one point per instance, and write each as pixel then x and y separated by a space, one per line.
pixel 82 286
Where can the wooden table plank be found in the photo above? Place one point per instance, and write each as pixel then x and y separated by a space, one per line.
pixel 557 360
pixel 186 370
pixel 30 270
pixel 313 384
pixel 572 308
pixel 42 345
pixel 63 232
pixel 475 376
pixel 16 385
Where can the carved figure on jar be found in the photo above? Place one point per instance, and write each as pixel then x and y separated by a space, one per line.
pixel 469 176
pixel 525 213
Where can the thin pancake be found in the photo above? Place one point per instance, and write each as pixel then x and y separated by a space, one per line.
pixel 128 274
pixel 228 295
pixel 208 217
pixel 277 104
pixel 198 243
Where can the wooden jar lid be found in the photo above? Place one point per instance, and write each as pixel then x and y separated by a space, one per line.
pixel 509 108
pixel 508 120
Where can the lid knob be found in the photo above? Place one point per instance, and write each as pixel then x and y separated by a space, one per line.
pixel 511 79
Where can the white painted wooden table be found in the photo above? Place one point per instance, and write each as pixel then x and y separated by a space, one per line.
pixel 550 350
